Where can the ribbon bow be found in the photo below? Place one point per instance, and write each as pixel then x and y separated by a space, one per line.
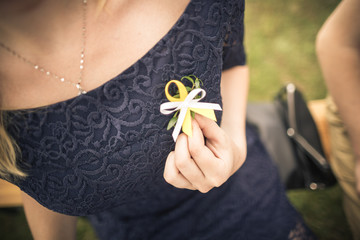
pixel 186 103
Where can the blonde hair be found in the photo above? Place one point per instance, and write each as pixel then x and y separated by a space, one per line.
pixel 8 153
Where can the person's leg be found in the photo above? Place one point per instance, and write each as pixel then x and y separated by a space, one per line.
pixel 343 165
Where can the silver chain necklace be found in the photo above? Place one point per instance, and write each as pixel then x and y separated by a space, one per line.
pixel 52 74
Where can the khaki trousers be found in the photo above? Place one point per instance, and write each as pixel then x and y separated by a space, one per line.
pixel 343 165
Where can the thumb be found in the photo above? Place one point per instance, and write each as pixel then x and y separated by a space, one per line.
pixel 209 128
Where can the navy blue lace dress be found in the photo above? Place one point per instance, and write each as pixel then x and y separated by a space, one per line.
pixel 102 154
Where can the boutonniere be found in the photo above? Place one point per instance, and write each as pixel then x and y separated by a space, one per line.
pixel 185 103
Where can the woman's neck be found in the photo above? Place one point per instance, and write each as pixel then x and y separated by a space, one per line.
pixel 40 25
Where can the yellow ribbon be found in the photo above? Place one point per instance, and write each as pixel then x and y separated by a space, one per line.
pixel 186 102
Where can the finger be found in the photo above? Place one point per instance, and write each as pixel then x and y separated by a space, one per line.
pixel 173 176
pixel 187 166
pixel 197 148
pixel 212 167
pixel 210 129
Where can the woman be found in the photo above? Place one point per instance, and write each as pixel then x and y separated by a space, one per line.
pixel 96 147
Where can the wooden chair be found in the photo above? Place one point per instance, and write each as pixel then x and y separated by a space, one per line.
pixel 318 111
pixel 10 195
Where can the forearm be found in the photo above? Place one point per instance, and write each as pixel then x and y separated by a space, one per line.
pixel 338 49
pixel 344 87
pixel 46 224
pixel 234 92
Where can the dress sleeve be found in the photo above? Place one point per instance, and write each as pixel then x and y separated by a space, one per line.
pixel 233 48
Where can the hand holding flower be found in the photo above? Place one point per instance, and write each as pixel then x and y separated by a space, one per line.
pixel 199 164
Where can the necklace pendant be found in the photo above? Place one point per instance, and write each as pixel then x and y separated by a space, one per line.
pixel 81 90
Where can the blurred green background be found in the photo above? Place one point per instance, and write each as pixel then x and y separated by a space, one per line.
pixel 280 41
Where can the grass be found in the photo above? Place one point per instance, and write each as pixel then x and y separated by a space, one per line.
pixel 13 224
pixel 280 37
pixel 322 211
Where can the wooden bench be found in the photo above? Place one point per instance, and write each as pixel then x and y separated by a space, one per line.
pixel 318 111
pixel 10 195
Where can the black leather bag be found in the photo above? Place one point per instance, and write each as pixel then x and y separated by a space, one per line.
pixel 291 137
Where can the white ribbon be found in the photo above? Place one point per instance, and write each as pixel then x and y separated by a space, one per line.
pixel 189 102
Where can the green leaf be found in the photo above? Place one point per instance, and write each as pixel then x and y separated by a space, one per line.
pixel 188 78
pixel 197 83
pixel 201 82
pixel 193 76
pixel 188 89
pixel 197 97
pixel 172 123
pixel 192 114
